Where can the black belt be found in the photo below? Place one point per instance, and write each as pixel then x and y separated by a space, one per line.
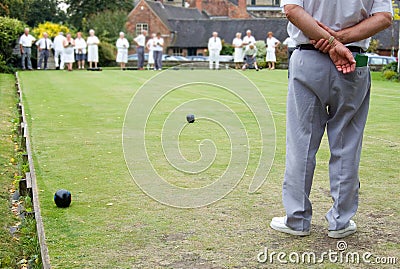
pixel 311 47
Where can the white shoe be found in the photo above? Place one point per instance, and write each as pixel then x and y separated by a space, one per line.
pixel 352 228
pixel 278 224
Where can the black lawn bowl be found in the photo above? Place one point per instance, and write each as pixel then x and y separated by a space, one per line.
pixel 94 69
pixel 62 198
pixel 190 118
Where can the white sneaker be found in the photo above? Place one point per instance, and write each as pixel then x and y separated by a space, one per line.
pixel 278 224
pixel 352 228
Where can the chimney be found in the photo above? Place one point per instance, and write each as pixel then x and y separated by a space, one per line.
pixel 199 5
pixel 242 5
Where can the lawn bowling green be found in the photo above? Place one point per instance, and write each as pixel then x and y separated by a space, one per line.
pixel 76 121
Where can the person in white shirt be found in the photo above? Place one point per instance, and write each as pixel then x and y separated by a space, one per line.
pixel 248 39
pixel 272 43
pixel 25 46
pixel 251 57
pixel 291 46
pixel 158 47
pixel 68 54
pixel 80 50
pixel 140 41
pixel 93 49
pixel 44 45
pixel 149 46
pixel 237 43
pixel 122 47
pixel 214 49
pixel 58 50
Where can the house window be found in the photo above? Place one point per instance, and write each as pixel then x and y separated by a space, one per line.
pixel 177 52
pixel 140 27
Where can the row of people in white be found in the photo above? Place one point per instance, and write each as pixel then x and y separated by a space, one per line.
pixel 155 46
pixel 66 48
pixel 241 45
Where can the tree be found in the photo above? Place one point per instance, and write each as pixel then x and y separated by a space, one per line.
pixel 44 10
pixel 78 10
pixel 107 24
pixel 373 46
pixel 32 12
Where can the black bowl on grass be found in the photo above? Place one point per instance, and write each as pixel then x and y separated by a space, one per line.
pixel 190 118
pixel 62 198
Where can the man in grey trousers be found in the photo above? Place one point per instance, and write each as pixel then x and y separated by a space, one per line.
pixel 140 41
pixel 328 89
pixel 25 46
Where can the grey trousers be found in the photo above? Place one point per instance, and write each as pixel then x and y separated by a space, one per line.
pixel 26 55
pixel 157 55
pixel 140 54
pixel 322 98
pixel 44 56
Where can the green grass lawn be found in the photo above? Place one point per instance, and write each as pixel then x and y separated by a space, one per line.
pixel 9 250
pixel 76 124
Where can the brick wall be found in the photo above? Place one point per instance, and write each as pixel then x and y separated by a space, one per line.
pixel 222 8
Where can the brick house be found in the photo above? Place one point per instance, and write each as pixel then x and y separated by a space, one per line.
pixel 186 29
pixel 154 17
pixel 186 25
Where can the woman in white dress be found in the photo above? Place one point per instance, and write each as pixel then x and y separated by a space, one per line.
pixel 271 42
pixel 122 47
pixel 93 49
pixel 150 46
pixel 237 43
pixel 68 53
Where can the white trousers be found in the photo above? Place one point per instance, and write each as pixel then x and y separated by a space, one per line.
pixel 59 54
pixel 214 57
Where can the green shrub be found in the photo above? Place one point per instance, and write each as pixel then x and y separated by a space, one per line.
pixel 107 54
pixel 4 67
pixel 281 54
pixel 262 64
pixel 389 71
pixel 389 74
pixel 261 51
pixel 227 48
pixel 10 30
pixel 392 66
